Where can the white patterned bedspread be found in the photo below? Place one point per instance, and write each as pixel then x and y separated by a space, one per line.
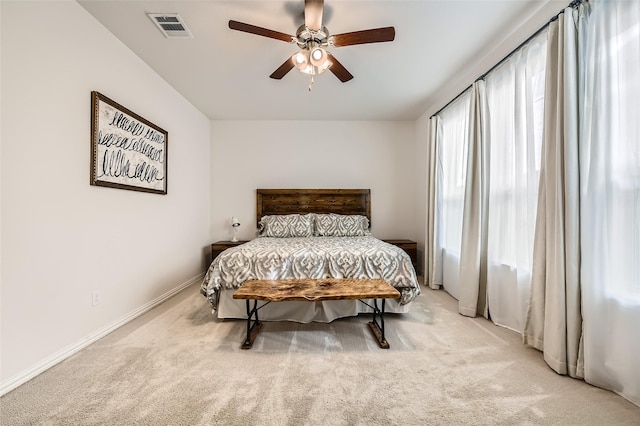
pixel 313 257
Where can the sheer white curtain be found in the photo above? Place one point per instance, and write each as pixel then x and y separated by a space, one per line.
pixel 515 97
pixel 610 196
pixel 453 135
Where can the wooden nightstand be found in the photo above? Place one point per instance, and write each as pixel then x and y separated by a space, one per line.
pixel 220 246
pixel 411 247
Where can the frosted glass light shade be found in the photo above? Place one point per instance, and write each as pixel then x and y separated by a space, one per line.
pixel 318 57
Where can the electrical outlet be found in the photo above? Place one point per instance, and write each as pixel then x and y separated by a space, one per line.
pixel 95 297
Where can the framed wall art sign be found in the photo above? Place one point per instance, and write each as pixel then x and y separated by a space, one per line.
pixel 127 151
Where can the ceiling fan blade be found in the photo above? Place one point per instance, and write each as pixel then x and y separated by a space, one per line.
pixel 282 69
pixel 338 69
pixel 252 29
pixel 313 14
pixel 375 35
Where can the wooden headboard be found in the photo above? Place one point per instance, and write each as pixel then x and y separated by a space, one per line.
pixel 301 201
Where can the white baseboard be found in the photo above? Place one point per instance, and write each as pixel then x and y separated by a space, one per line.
pixel 65 353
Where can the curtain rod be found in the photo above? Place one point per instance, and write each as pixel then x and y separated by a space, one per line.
pixel 573 4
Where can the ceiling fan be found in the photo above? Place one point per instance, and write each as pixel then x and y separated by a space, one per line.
pixel 313 39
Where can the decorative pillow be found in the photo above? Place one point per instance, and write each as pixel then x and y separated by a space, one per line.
pixel 337 225
pixel 284 226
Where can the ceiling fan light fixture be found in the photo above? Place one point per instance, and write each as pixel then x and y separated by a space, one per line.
pixel 311 61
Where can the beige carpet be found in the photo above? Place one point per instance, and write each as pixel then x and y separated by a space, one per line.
pixel 176 365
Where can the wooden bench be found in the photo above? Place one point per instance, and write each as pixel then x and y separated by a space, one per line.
pixel 315 290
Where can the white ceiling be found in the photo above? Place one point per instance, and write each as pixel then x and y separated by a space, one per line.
pixel 225 73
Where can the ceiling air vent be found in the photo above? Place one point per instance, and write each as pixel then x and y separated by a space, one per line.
pixel 171 25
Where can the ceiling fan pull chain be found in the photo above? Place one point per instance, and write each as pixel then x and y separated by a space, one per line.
pixel 311 84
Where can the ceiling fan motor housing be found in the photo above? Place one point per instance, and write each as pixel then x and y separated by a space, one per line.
pixel 305 37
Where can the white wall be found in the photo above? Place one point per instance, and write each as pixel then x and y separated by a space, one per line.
pixel 61 237
pixel 314 154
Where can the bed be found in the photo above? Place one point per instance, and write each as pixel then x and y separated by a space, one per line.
pixel 310 233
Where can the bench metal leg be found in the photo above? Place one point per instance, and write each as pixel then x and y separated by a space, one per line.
pixel 378 328
pixel 376 325
pixel 252 329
